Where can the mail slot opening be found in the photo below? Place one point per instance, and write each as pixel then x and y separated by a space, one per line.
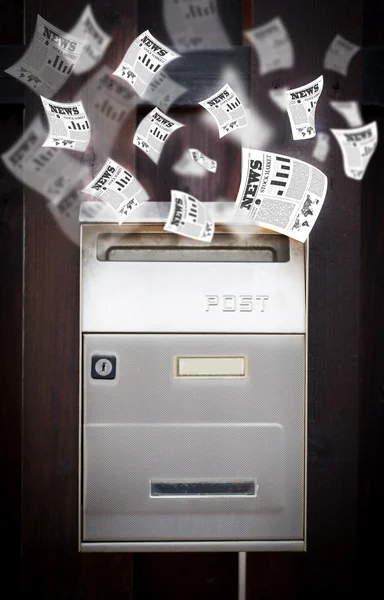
pixel 166 247
pixel 203 488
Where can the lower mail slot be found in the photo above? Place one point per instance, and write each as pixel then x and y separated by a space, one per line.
pixel 203 488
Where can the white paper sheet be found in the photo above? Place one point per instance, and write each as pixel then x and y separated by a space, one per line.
pixel 301 108
pixel 189 217
pixel 279 192
pixel 357 147
pixel 143 61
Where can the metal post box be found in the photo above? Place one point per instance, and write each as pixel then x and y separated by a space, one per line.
pixel 193 388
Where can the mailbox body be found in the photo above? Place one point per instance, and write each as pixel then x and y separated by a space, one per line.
pixel 196 440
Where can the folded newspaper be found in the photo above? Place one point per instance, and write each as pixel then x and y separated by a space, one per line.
pixel 49 59
pixel 301 107
pixel 153 132
pixel 50 171
pixel 227 110
pixel 339 55
pixel 189 217
pixel 273 46
pixel 280 193
pixel 194 25
pixel 357 147
pixel 117 186
pixel 143 60
pixel 68 125
pixel 95 41
pixel 208 163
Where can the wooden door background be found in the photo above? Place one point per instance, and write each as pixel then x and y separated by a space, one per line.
pixel 39 272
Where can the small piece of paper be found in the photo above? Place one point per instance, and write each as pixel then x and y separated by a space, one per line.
pixel 69 126
pixel 208 163
pixel 273 46
pixel 321 149
pixel 279 192
pixel 143 60
pixel 349 110
pixel 153 132
pixel 95 41
pixel 357 147
pixel 339 55
pixel 227 110
pixel 301 108
pixel 186 166
pixel 117 186
pixel 279 97
pixel 189 217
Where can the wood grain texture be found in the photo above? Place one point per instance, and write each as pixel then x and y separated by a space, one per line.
pixel 334 305
pixel 11 319
pixel 189 576
pixel 53 568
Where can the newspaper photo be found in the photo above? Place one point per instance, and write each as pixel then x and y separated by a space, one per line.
pixel 357 147
pixel 350 110
pixel 322 146
pixel 163 91
pixel 49 171
pixel 49 59
pixel 279 192
pixel 189 217
pixel 339 55
pixel 68 125
pixel 273 46
pixel 153 132
pixel 95 41
pixel 143 60
pixel 301 108
pixel 195 25
pixel 108 101
pixel 117 186
pixel 279 97
pixel 227 110
pixel 208 163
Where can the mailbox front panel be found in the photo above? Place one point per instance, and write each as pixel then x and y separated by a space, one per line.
pixel 196 437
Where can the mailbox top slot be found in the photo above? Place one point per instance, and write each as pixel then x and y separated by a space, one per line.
pixel 167 247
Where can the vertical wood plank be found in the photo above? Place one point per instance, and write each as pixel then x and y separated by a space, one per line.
pixel 11 311
pixel 334 296
pixel 53 568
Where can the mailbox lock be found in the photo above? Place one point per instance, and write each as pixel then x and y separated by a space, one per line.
pixel 103 367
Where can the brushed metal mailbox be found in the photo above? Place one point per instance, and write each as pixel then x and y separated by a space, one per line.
pixel 192 389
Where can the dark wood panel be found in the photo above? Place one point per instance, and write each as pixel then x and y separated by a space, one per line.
pixel 371 414
pixel 53 568
pixel 334 289
pixel 189 576
pixel 11 318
